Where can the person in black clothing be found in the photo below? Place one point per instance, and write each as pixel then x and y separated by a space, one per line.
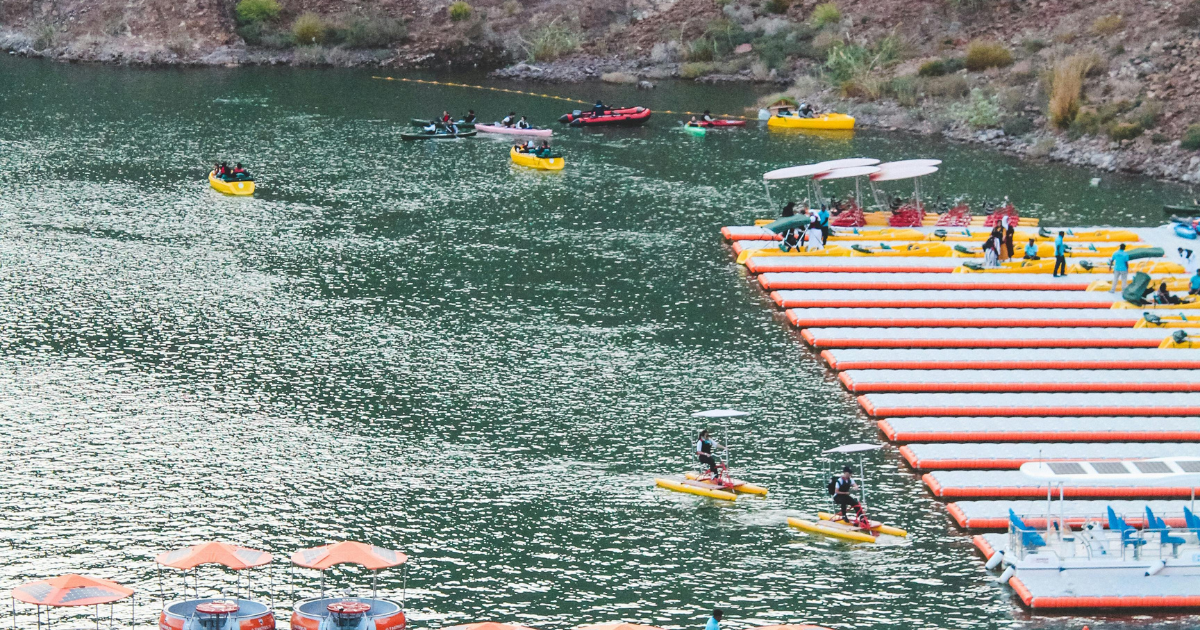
pixel 789 210
pixel 841 487
pixel 704 451
pixel 470 117
pixel 1009 233
pixel 707 116
pixel 599 109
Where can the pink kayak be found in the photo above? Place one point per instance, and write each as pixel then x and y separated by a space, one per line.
pixel 512 131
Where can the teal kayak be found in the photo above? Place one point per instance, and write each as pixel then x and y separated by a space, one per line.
pixel 418 122
pixel 695 131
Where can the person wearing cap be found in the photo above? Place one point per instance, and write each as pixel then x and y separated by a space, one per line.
pixel 842 487
pixel 714 622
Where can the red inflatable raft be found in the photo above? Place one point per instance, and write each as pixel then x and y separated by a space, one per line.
pixel 627 116
pixel 721 123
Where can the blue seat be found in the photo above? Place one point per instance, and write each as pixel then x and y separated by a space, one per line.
pixel 1193 521
pixel 1029 536
pixel 1117 524
pixel 1165 537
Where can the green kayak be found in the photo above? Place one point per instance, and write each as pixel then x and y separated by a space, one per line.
pixel 695 131
pixel 1183 211
pixel 418 122
pixel 437 136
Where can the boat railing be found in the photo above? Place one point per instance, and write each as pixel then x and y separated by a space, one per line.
pixel 1095 541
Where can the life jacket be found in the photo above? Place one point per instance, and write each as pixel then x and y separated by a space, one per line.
pixel 832 487
pixel 705 446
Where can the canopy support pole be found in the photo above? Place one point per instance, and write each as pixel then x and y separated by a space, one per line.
pixel 875 195
pixel 862 475
pixel 770 204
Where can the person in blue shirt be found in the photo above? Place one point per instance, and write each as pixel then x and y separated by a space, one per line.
pixel 714 622
pixel 1120 268
pixel 1031 250
pixel 1060 255
pixel 1194 285
pixel 823 223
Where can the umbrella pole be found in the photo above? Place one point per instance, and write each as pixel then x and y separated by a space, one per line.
pixel 862 475
pixel 875 195
pixel 97 616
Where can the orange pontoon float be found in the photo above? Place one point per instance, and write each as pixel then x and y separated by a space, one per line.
pixel 1041 429
pixel 220 612
pixel 381 614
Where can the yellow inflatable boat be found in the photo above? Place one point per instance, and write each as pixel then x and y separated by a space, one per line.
pixel 875 525
pixel 1022 237
pixel 831 250
pixel 1047 266
pixel 1180 340
pixel 738 485
pixel 921 249
pixel 241 188
pixel 1168 321
pixel 521 158
pixel 1103 251
pixel 1174 283
pixel 824 121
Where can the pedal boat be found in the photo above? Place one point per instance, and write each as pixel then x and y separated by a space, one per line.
pixel 701 485
pixel 324 613
pixel 833 526
pixel 237 188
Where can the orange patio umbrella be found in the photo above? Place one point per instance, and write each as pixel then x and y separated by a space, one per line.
pixel 618 626
pixel 489 625
pixel 348 552
pixel 231 556
pixel 71 590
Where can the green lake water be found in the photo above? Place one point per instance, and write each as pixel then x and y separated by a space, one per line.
pixel 421 346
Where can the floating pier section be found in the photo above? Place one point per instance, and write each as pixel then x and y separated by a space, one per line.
pixel 973 374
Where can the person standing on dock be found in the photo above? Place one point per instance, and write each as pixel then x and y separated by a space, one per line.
pixel 1120 269
pixel 1060 254
pixel 1194 285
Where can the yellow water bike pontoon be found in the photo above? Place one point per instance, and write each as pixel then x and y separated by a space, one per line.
pixel 833 525
pixel 703 484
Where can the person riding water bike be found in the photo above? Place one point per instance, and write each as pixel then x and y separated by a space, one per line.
pixel 840 488
pixel 704 451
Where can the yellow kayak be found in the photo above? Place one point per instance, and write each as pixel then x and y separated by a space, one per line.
pixel 1174 283
pixel 886 234
pixel 1103 251
pixel 922 249
pixel 738 485
pixel 1169 321
pixel 832 250
pixel 1186 306
pixel 824 121
pixel 532 161
pixel 238 188
pixel 694 488
pixel 1183 341
pixel 1045 265
pixel 832 529
pixel 876 526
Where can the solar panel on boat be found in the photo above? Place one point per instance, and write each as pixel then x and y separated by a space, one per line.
pixel 1192 466
pixel 1066 468
pixel 1110 468
pixel 1153 468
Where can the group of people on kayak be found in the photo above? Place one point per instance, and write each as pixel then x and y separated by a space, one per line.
pixel 840 487
pixel 804 110
pixel 513 122
pixel 706 117
pixel 238 173
pixel 543 150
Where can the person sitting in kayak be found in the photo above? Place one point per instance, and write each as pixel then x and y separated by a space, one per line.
pixel 445 117
pixel 523 124
pixel 840 488
pixel 704 451
pixel 1163 296
pixel 707 117
pixel 470 117
pixel 806 111
pixel 599 109
pixel 693 122
pixel 509 119
pixel 1031 251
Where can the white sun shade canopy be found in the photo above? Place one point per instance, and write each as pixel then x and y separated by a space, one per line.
pixel 720 413
pixel 808 170
pixel 889 173
pixel 842 173
pixel 920 162
pixel 854 448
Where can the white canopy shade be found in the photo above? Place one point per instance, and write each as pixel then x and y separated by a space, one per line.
pixel 840 173
pixel 854 448
pixel 808 170
pixel 887 174
pixel 720 413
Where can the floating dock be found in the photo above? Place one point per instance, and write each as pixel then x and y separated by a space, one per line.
pixel 1010 456
pixel 994 514
pixel 1105 404
pixel 923 281
pixel 1011 359
pixel 1041 429
pixel 974 374
pixel 828 338
pixel 963 318
pixel 1149 381
pixel 948 298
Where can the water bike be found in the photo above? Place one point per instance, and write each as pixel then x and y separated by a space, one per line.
pixel 236 187
pixel 461 124
pixel 848 528
pixel 620 116
pixel 703 482
pixel 824 121
pixel 512 131
pixel 550 162
pixel 437 135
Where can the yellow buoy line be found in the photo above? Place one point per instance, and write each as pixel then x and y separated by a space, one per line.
pixel 539 95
